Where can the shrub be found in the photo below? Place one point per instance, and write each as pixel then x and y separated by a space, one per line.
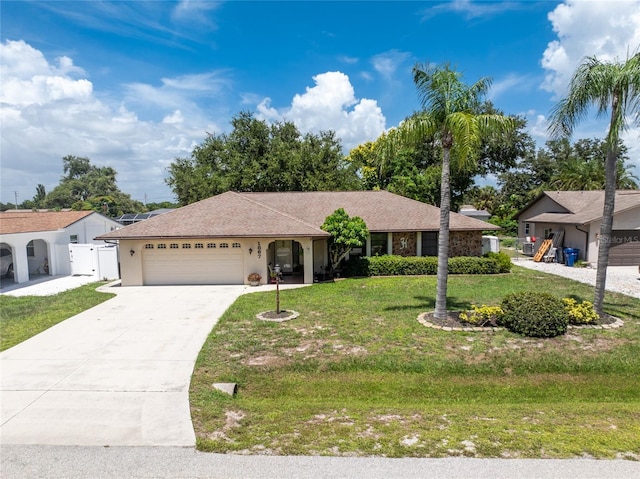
pixel 508 242
pixel 483 315
pixel 580 313
pixel 504 261
pixel 391 265
pixel 539 315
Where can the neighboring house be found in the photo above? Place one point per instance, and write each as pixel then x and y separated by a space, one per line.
pixel 130 218
pixel 472 212
pixel 222 239
pixel 39 240
pixel 579 214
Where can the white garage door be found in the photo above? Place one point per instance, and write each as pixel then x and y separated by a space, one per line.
pixel 191 262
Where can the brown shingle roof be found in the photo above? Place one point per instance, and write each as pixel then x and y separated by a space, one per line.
pixel 32 221
pixel 292 214
pixel 584 206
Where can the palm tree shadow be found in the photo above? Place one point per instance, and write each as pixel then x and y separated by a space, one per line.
pixel 427 303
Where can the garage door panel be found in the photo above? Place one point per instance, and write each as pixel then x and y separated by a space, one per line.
pixel 192 267
pixel 625 248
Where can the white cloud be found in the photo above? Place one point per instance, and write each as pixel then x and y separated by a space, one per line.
pixel 388 62
pixel 609 30
pixel 469 9
pixel 47 114
pixel 330 105
pixel 512 82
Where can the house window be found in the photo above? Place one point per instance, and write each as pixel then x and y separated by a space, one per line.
pixel 186 245
pixel 73 239
pixel 527 229
pixel 211 245
pixel 162 246
pixel 199 245
pixel 148 246
pixel 236 245
pixel 173 246
pixel 224 245
pixel 547 232
pixel 379 244
pixel 31 249
pixel 429 243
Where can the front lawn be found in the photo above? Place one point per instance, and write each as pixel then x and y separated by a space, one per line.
pixel 25 316
pixel 357 374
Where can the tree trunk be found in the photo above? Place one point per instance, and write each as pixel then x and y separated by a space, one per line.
pixel 443 236
pixel 604 242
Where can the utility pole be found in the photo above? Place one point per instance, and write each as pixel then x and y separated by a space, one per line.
pixel 16 196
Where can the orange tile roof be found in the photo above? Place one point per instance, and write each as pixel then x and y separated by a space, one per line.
pixel 291 214
pixel 22 221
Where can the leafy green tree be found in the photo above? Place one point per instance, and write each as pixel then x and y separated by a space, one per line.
pixel 257 156
pixel 88 187
pixel 614 89
pixel 152 206
pixel 583 167
pixel 450 117
pixel 414 170
pixel 346 233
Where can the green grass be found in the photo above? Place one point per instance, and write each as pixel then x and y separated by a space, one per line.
pixel 25 316
pixel 356 374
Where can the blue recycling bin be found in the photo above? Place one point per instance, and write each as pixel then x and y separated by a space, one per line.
pixel 570 256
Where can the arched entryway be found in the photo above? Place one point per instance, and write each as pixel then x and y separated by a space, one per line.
pixel 289 255
pixel 38 256
pixel 7 261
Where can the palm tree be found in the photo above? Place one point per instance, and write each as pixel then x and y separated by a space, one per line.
pixel 451 120
pixel 607 86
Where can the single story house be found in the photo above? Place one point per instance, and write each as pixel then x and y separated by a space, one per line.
pixel 39 240
pixel 222 239
pixel 579 214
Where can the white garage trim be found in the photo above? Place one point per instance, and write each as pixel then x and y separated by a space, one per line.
pixel 192 262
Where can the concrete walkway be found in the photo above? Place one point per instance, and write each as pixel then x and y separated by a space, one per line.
pixel 115 375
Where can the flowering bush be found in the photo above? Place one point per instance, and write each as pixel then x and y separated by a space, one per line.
pixel 580 313
pixel 483 315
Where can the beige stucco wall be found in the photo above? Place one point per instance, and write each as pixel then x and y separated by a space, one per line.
pixel 544 205
pixel 132 271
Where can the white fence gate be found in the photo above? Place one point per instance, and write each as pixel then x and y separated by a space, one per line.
pixel 100 261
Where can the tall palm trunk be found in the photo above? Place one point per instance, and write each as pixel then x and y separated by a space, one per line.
pixel 607 215
pixel 443 236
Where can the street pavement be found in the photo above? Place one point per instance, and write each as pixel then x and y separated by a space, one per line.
pixel 185 463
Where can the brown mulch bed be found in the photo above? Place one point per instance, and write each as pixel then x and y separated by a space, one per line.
pixel 453 321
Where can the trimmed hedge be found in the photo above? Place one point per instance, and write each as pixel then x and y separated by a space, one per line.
pixel 533 314
pixel 391 265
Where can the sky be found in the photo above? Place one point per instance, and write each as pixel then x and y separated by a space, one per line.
pixel 135 84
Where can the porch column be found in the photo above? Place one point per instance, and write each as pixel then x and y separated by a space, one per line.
pixel 389 243
pixel 418 243
pixel 368 246
pixel 307 246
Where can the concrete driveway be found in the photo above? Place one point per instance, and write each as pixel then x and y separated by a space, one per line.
pixel 115 375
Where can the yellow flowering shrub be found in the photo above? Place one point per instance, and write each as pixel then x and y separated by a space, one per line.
pixel 483 315
pixel 580 313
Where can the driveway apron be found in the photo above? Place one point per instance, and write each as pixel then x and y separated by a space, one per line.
pixel 115 375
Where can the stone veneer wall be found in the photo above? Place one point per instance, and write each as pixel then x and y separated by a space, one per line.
pixel 405 244
pixel 465 243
